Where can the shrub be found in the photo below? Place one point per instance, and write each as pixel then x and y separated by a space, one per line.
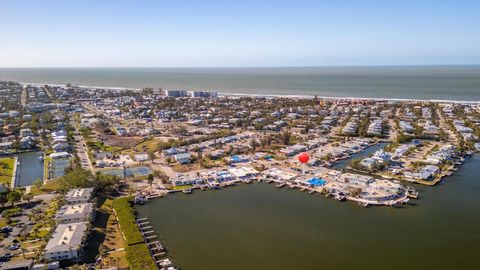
pixel 126 220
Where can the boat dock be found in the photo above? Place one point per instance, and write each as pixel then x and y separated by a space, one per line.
pixel 157 251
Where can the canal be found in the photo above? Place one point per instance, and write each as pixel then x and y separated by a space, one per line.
pixel 30 169
pixel 341 164
pixel 258 226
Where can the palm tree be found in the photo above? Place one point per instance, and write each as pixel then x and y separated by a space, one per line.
pixel 36 230
pixel 150 179
pixel 38 183
pixel 14 196
pixel 102 251
pixel 28 197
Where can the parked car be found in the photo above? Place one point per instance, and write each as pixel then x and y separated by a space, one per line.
pixel 14 247
pixel 6 229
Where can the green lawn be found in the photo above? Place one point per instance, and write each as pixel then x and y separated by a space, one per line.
pixel 50 185
pixel 126 218
pixel 101 146
pixel 180 187
pixel 46 162
pixel 6 170
pixel 145 146
pixel 2 222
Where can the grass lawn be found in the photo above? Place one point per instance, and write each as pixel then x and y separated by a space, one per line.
pixel 113 238
pixel 143 147
pixel 117 258
pixel 6 170
pixel 107 223
pixel 46 162
pixel 2 222
pixel 180 187
pixel 50 185
pixel 101 146
pixel 40 234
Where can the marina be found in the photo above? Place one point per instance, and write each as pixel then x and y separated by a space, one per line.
pixel 259 221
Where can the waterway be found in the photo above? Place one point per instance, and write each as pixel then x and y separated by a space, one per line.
pixel 258 226
pixel 30 169
pixel 362 154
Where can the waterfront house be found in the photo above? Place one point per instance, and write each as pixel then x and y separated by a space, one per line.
pixel 356 179
pixel 442 155
pixel 427 173
pixel 67 242
pixel 222 176
pixel 184 179
pixel 243 172
pixel 278 174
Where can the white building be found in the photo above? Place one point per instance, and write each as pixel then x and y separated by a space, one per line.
pixel 75 213
pixel 79 195
pixel 67 242
pixel 204 94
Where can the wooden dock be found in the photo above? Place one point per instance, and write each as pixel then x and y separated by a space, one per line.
pixel 157 251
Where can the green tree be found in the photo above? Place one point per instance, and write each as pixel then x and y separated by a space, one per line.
pixel 76 178
pixel 14 196
pixel 105 183
pixel 27 197
pixel 150 179
pixel 151 154
pixel 38 183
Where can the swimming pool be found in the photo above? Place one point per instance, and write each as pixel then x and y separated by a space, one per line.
pixel 317 182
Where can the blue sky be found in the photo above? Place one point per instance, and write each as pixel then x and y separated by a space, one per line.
pixel 198 33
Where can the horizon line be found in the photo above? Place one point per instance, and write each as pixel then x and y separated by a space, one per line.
pixel 266 66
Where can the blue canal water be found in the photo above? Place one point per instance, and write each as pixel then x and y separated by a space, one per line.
pixel 30 169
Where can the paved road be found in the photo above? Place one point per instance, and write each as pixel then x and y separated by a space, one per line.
pixel 80 145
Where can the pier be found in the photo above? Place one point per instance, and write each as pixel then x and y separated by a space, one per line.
pixel 157 251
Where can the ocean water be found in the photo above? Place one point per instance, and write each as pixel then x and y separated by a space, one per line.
pixel 412 82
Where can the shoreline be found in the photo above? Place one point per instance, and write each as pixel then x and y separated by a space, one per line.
pixel 229 94
pixel 14 172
